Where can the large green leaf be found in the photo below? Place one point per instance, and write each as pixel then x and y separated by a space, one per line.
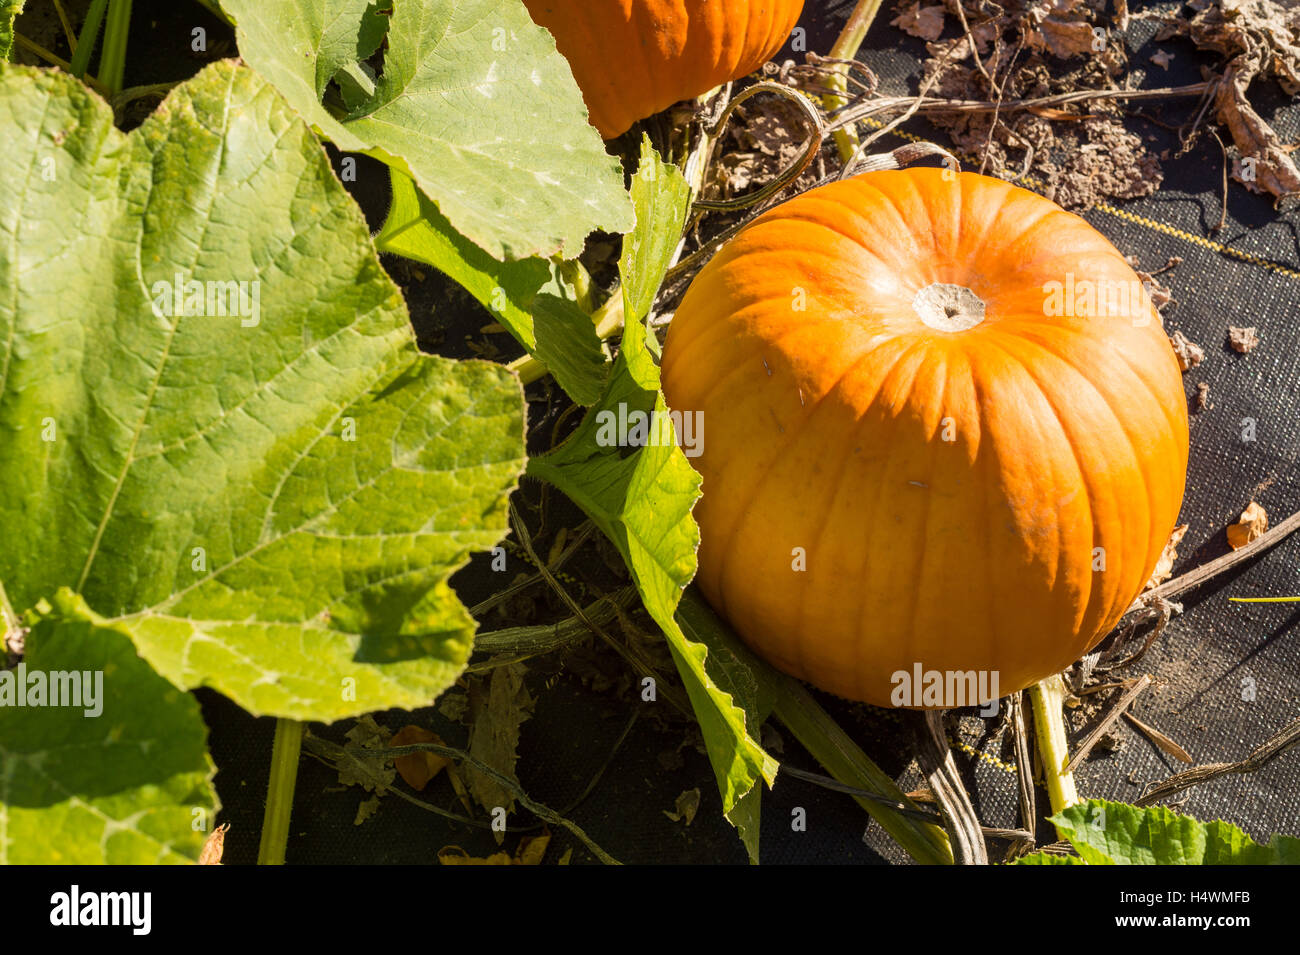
pixel 1114 833
pixel 752 686
pixel 642 500
pixel 474 103
pixel 524 295
pixel 9 10
pixel 268 502
pixel 126 780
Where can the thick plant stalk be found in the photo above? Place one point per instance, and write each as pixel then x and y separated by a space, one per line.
pixel 1049 728
pixel 842 758
pixel 279 792
pixel 112 58
pixel 86 42
pixel 964 832
pixel 846 48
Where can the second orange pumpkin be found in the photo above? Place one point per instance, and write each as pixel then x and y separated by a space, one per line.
pixel 633 58
pixel 943 431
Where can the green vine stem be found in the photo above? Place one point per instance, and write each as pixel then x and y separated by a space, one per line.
pixel 846 48
pixel 279 792
pixel 112 59
pixel 827 742
pixel 86 40
pixel 1048 698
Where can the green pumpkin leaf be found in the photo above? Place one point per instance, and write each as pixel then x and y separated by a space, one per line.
pixel 661 198
pixel 568 345
pixel 122 781
pixel 474 103
pixel 643 501
pixel 267 488
pixel 751 684
pixel 1113 833
pixel 549 326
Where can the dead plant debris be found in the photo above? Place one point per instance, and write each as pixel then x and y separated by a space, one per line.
pixel 498 705
pixel 1024 50
pixel 1251 525
pixel 1189 353
pixel 1243 340
pixel 685 807
pixel 1165 565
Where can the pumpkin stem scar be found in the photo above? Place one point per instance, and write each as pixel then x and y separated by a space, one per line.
pixel 948 308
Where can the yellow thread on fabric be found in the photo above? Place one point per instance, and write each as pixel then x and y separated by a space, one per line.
pixel 978 754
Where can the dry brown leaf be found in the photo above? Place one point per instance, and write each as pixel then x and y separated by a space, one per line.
pixel 1265 165
pixel 1165 565
pixel 1256 38
pixel 1203 396
pixel 1236 28
pixel 454 704
pixel 417 768
pixel 1162 740
pixel 1243 340
pixel 1159 293
pixel 365 809
pixel 925 22
pixel 214 845
pixel 498 706
pixel 531 851
pixel 686 806
pixel 372 774
pixel 1060 27
pixel 1189 353
pixel 455 855
pixel 1252 523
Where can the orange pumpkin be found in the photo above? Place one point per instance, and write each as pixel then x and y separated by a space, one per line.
pixel 944 431
pixel 633 58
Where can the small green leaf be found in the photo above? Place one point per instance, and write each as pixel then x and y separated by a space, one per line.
pixel 661 198
pixel 568 345
pixel 474 103
pixel 1113 833
pixel 268 499
pixel 356 83
pixel 122 786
